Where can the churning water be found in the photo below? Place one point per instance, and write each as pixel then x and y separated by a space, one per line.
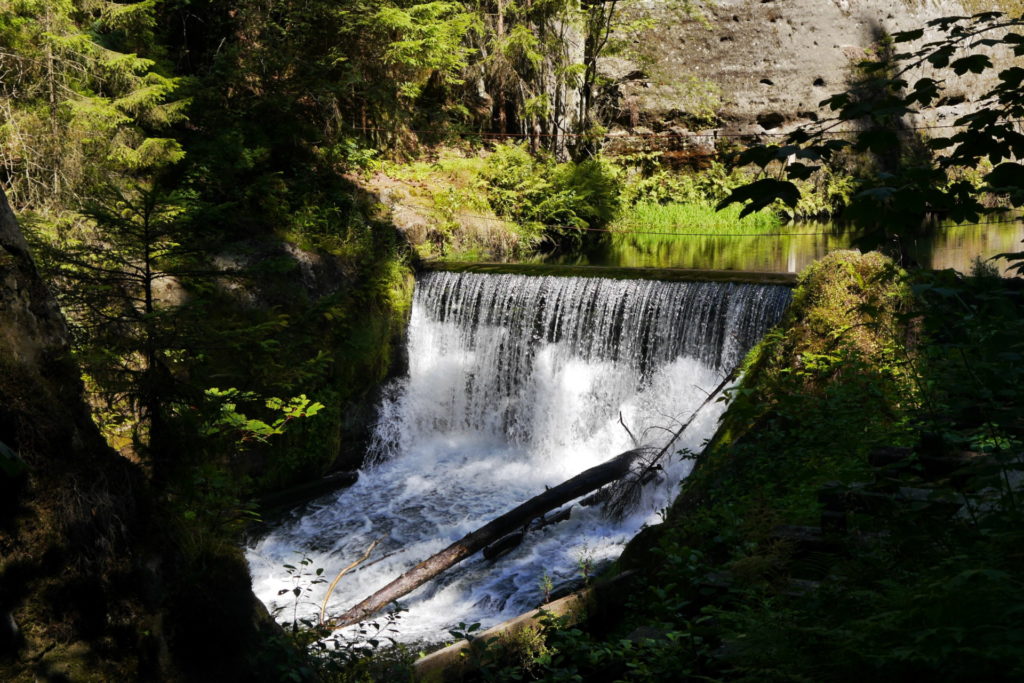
pixel 517 383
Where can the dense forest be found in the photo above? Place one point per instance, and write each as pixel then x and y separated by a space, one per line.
pixel 212 216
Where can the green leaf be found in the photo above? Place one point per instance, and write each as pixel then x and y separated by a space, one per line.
pixel 926 90
pixel 975 64
pixel 878 140
pixel 800 171
pixel 836 102
pixel 799 136
pixel 761 193
pixel 1012 77
pixel 836 145
pixel 760 155
pixel 940 58
pixel 1005 176
pixel 907 36
pixel 945 22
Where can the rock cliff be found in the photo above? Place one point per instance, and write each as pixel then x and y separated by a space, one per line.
pixel 765 65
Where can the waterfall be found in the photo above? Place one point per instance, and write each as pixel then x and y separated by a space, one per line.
pixel 516 383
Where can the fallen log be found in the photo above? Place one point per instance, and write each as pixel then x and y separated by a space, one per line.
pixel 600 602
pixel 507 544
pixel 504 545
pixel 582 484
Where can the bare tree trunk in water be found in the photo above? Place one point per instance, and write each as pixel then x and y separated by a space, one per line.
pixel 580 485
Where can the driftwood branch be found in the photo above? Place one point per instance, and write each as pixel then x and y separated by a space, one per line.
pixel 580 485
pixel 636 444
pixel 330 589
pixel 628 493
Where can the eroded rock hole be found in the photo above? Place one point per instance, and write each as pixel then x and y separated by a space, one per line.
pixel 771 120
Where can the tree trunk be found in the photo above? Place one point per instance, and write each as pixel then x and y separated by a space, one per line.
pixel 580 485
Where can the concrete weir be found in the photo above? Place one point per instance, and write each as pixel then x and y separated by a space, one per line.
pixel 666 274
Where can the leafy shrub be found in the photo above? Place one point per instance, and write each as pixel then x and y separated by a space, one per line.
pixel 826 194
pixel 707 186
pixel 561 199
pixel 593 186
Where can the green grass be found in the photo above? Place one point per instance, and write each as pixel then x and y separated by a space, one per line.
pixel 449 168
pixel 693 218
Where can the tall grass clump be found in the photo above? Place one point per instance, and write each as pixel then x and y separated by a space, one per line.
pixel 694 217
pixel 659 200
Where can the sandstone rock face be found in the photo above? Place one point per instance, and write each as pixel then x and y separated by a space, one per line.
pixel 30 323
pixel 772 61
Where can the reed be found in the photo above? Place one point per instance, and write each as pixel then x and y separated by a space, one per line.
pixel 691 218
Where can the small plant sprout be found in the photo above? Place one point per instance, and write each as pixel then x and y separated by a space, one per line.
pixel 302 578
pixel 585 563
pixel 546 585
pixel 464 631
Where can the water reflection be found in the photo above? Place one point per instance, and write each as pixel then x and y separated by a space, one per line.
pixel 949 246
pixel 957 246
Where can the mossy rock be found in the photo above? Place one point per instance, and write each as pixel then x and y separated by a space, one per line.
pixel 214 622
pixel 817 393
pixel 846 304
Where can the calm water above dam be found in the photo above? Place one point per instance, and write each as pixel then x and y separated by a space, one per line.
pixel 798 245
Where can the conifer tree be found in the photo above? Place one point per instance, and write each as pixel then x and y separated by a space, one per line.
pixel 78 104
pixel 110 282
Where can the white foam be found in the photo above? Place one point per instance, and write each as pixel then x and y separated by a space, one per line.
pixel 515 384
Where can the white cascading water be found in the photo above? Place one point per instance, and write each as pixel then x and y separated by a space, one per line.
pixel 515 384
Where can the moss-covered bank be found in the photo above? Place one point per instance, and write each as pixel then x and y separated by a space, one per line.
pixel 826 386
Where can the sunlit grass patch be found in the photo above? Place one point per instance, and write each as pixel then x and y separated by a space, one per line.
pixel 450 168
pixel 693 218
